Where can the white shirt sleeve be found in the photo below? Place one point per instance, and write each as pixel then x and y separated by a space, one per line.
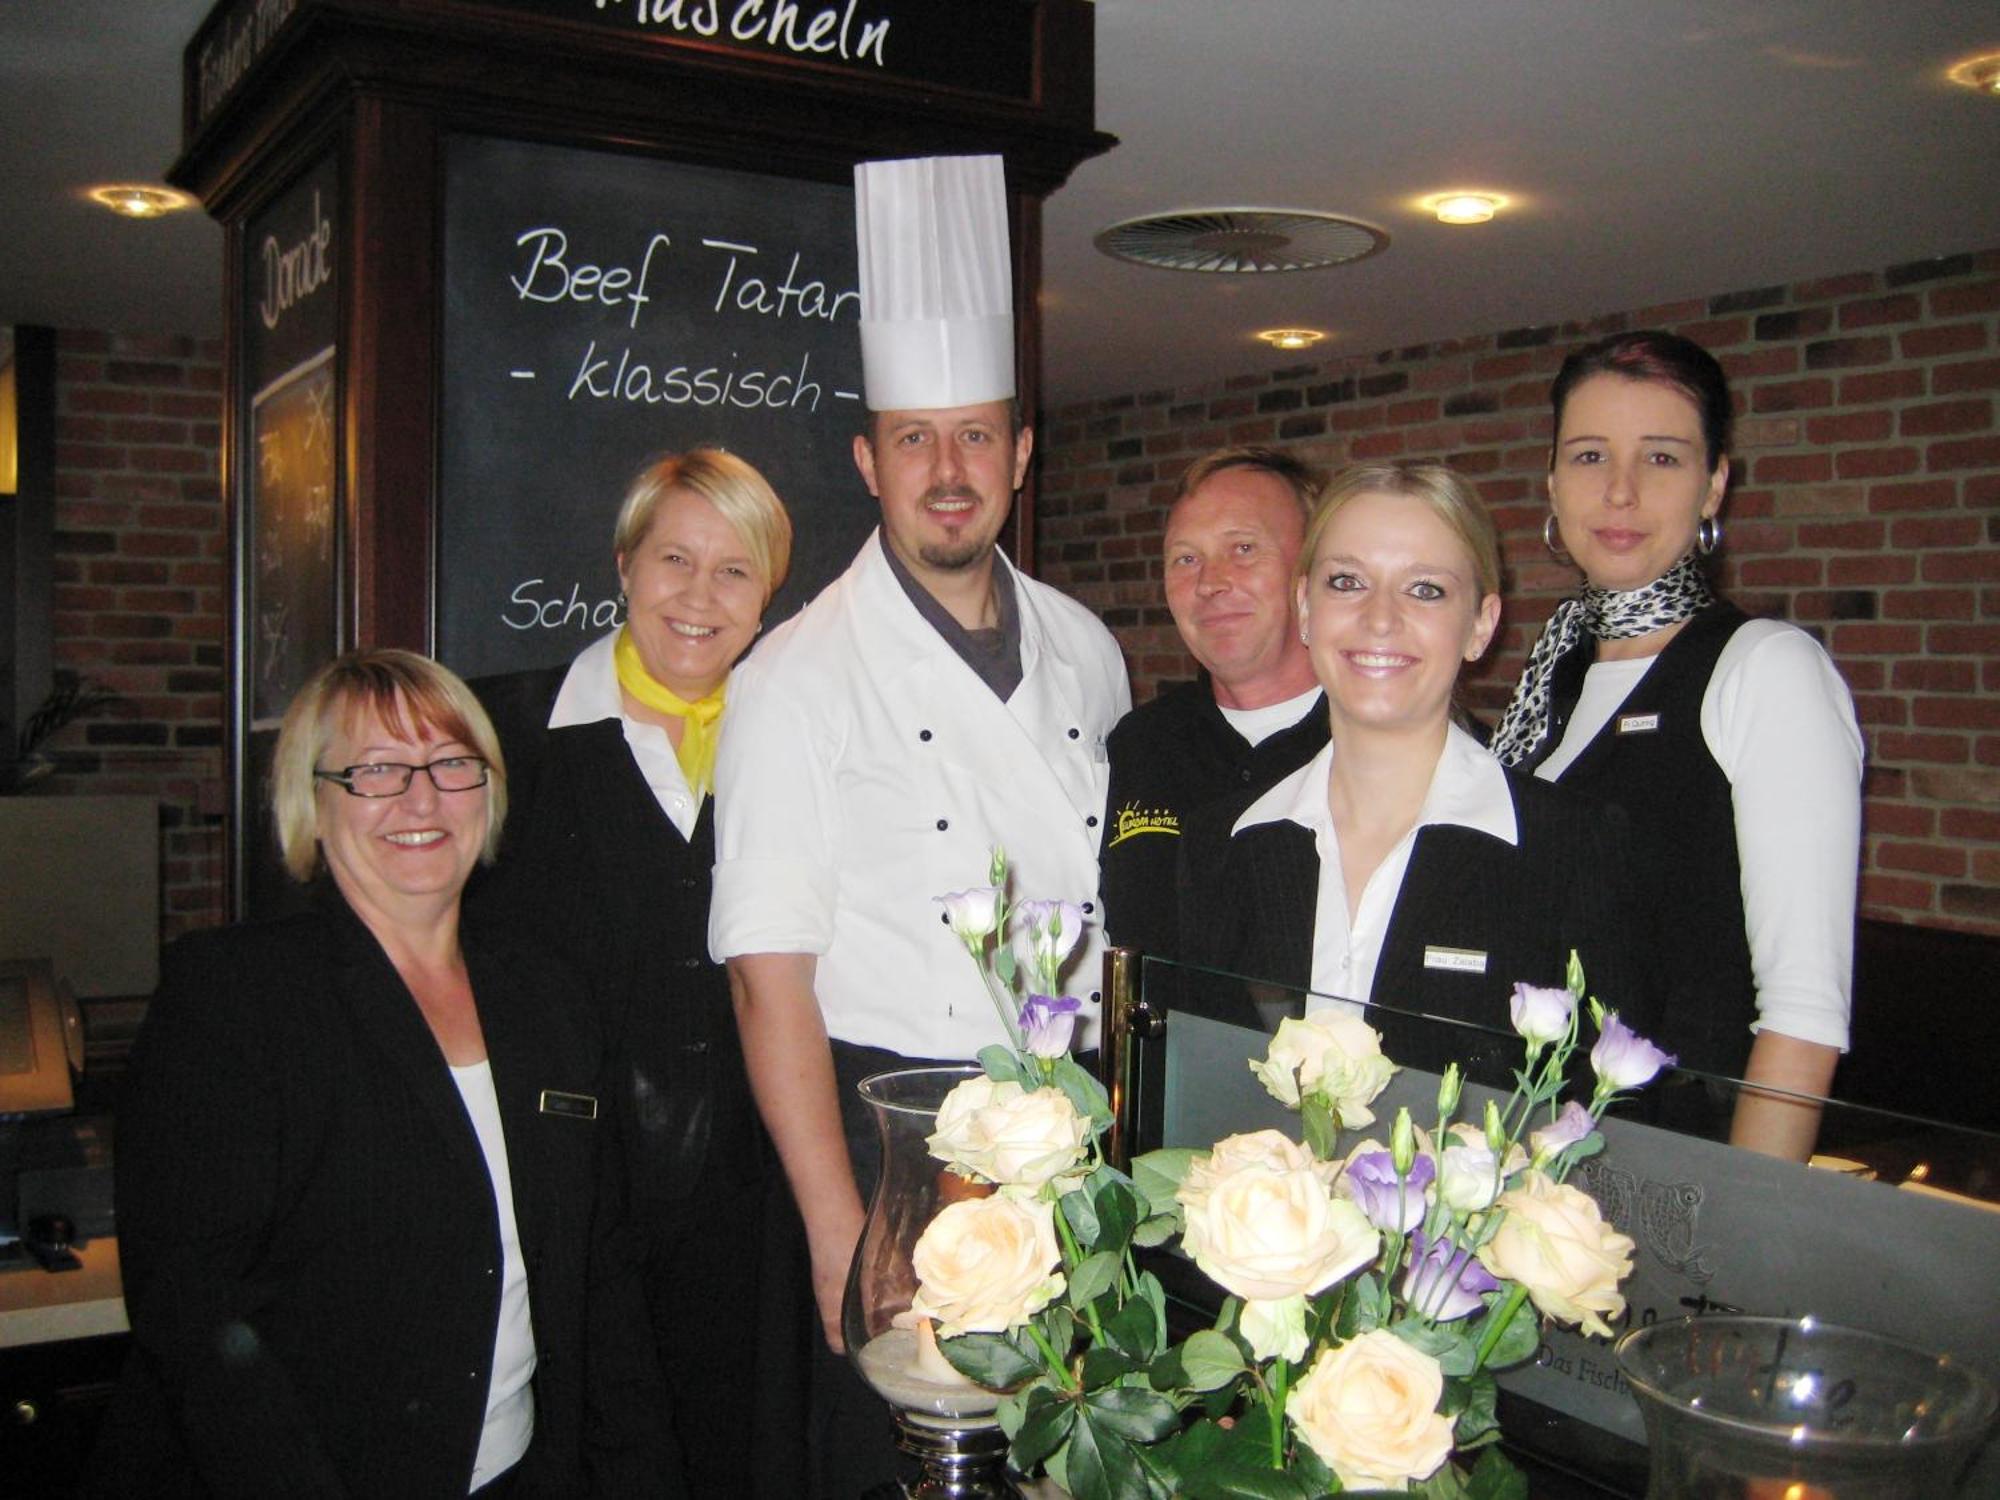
pixel 776 825
pixel 1780 722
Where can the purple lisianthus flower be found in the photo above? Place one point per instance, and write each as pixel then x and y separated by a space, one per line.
pixel 1047 1023
pixel 1622 1059
pixel 1444 1281
pixel 1569 1127
pixel 1395 1205
pixel 1541 1015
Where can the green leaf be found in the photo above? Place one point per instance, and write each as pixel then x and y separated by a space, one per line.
pixel 1360 1309
pixel 989 1359
pixel 1003 1065
pixel 1084 1091
pixel 1455 1353
pixel 1157 1175
pixel 1003 965
pixel 1046 1425
pixel 1058 1326
pixel 1322 1130
pixel 1522 1338
pixel 1102 1366
pixel 1102 1465
pixel 1117 1208
pixel 1155 1231
pixel 1476 1416
pixel 1082 1215
pixel 1135 1330
pixel 1494 1478
pixel 1209 1360
pixel 1097 1275
pixel 1133 1412
pixel 1311 1471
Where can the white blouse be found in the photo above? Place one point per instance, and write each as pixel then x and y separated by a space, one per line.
pixel 510 1398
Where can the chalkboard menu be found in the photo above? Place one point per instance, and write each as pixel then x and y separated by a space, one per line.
pixel 600 310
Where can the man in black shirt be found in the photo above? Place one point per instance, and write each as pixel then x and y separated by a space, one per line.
pixel 1253 715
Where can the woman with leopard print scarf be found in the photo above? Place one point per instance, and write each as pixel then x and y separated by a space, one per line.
pixel 1730 742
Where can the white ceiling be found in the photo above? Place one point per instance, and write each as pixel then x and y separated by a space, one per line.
pixel 1658 149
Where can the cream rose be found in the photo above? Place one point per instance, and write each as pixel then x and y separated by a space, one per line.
pixel 1332 1053
pixel 1369 1409
pixel 987 1265
pixel 1006 1134
pixel 1557 1245
pixel 1258 1148
pixel 1268 1234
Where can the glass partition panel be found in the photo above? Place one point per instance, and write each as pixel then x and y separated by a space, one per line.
pixel 1894 1227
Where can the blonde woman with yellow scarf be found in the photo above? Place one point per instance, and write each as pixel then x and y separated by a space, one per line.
pixel 611 867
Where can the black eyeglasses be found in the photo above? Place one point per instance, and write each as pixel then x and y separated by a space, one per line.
pixel 389 778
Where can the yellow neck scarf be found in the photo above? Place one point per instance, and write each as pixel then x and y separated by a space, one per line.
pixel 702 719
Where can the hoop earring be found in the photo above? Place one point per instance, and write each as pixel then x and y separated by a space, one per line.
pixel 1552 539
pixel 1708 535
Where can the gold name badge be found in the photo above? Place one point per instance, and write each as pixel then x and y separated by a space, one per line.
pixel 575 1106
pixel 1457 960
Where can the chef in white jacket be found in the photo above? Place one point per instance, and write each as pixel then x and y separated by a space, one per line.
pixel 930 703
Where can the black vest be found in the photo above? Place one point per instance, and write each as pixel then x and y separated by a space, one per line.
pixel 1650 760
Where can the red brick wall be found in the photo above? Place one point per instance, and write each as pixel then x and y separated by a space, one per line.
pixel 1865 506
pixel 140 575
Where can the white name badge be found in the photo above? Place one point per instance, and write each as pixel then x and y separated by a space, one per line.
pixel 1638 723
pixel 1457 960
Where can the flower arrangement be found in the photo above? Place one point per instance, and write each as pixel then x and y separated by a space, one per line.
pixel 1371 1296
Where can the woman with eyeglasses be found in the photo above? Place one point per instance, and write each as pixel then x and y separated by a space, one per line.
pixel 1729 741
pixel 359 1153
pixel 609 864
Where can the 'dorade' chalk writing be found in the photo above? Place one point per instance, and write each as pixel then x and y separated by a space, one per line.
pixel 781 24
pixel 628 379
pixel 293 273
pixel 528 609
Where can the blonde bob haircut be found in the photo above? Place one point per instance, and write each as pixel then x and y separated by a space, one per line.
pixel 742 496
pixel 412 695
pixel 1443 489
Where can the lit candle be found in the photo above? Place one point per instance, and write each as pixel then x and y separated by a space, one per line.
pixel 1784 1489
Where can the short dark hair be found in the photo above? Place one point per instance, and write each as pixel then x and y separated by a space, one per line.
pixel 1653 354
pixel 1305 481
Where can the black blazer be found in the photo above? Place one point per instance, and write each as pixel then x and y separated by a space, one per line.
pixel 310 1246
pixel 1250 908
pixel 594 870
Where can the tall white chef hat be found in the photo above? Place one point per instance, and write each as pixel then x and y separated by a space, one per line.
pixel 937 283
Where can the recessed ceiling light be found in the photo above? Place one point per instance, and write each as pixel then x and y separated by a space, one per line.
pixel 1464 208
pixel 1291 338
pixel 139 201
pixel 1982 73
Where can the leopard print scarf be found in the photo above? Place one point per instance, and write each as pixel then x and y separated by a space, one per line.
pixel 1680 593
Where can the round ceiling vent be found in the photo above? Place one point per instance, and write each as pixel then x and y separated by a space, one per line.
pixel 1242 239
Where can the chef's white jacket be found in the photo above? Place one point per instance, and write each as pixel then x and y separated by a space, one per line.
pixel 865 769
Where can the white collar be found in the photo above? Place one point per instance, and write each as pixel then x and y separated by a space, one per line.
pixel 589 691
pixel 1468 789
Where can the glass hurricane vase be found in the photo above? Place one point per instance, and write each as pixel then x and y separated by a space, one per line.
pixel 1747 1408
pixel 942 1418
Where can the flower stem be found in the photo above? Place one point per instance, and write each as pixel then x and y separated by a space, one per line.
pixel 1001 1004
pixel 1072 1258
pixel 1057 1365
pixel 1280 1377
pixel 1497 1324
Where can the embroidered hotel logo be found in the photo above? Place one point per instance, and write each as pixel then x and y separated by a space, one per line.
pixel 1134 820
